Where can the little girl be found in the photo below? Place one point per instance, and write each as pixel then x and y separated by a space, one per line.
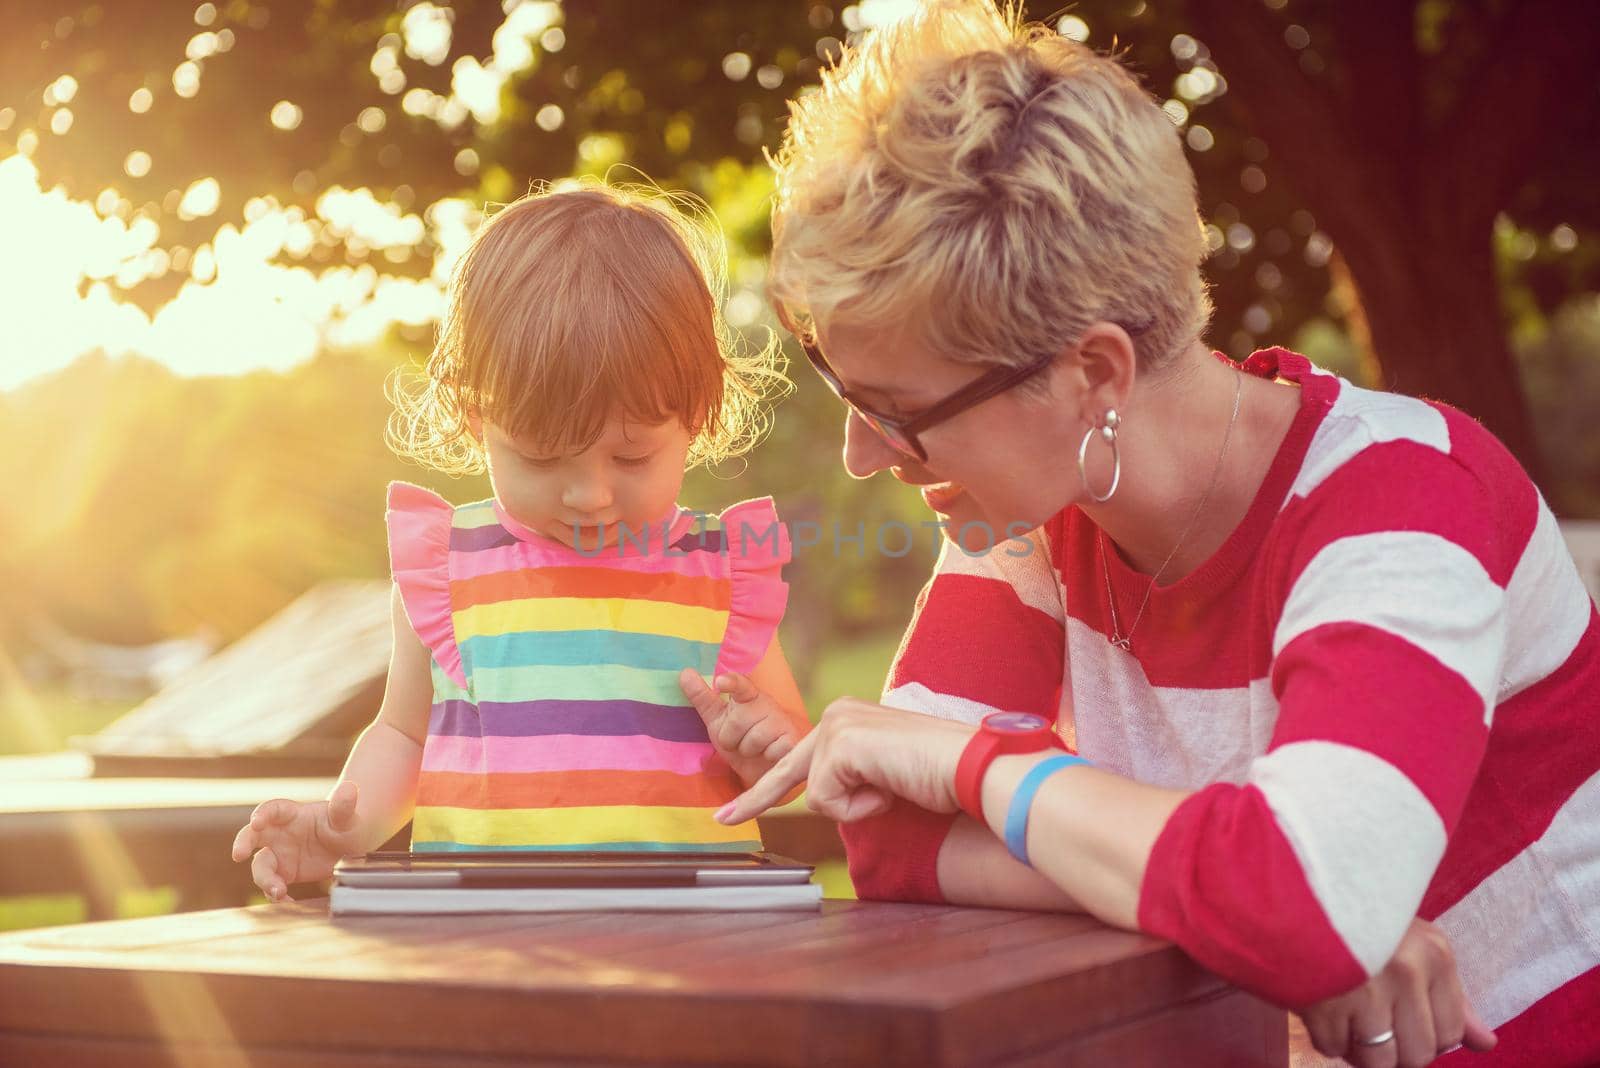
pixel 545 690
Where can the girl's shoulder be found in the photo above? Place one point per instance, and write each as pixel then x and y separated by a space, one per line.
pixel 418 519
pixel 405 498
pixel 757 546
pixel 752 535
pixel 420 524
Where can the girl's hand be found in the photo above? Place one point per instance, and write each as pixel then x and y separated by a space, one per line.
pixel 748 728
pixel 293 842
pixel 858 760
pixel 1417 996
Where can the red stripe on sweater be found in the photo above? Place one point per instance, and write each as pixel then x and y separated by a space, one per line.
pixel 1364 497
pixel 973 638
pixel 1176 637
pixel 895 856
pixel 1516 498
pixel 1224 883
pixel 1544 744
pixel 1560 1030
pixel 1366 688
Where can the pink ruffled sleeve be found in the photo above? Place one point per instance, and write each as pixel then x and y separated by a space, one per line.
pixel 758 547
pixel 419 524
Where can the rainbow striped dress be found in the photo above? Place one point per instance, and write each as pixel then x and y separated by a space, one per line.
pixel 557 720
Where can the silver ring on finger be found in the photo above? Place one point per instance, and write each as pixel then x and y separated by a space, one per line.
pixel 1376 1040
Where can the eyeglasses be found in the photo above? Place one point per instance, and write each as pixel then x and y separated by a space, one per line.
pixel 902 433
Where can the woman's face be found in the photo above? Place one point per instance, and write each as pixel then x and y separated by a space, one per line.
pixel 997 469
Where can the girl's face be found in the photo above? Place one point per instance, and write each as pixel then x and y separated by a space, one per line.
pixel 995 470
pixel 631 475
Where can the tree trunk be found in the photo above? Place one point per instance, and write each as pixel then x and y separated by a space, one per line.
pixel 1431 301
pixel 1410 200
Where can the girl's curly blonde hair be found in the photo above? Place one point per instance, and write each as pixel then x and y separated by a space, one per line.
pixel 576 303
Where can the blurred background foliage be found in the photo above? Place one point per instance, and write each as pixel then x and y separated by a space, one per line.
pixel 1404 190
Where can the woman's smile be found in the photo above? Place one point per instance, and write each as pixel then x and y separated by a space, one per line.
pixel 942 496
pixel 938 495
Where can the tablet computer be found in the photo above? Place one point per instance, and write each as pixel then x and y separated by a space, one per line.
pixel 553 869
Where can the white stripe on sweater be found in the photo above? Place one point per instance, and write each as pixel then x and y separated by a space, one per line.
pixel 1367 839
pixel 1533 924
pixel 1173 736
pixel 1547 608
pixel 915 697
pixel 1030 575
pixel 1363 417
pixel 1420 587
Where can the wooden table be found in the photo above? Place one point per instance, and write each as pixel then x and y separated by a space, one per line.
pixel 857 984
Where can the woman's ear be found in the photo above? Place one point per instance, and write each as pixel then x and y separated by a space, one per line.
pixel 1105 358
pixel 474 420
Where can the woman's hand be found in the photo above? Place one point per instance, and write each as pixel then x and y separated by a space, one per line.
pixel 1417 996
pixel 748 728
pixel 858 759
pixel 295 842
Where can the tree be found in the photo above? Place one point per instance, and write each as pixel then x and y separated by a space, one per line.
pixel 1384 138
pixel 670 89
pixel 1407 129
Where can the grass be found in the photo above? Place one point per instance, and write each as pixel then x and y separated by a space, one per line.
pixel 834 878
pixel 851 669
pixel 41 721
pixel 52 910
pixel 42 910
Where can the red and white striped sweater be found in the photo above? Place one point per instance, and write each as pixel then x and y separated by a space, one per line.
pixel 1384 687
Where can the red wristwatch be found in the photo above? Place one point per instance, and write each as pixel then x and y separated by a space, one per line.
pixel 1000 734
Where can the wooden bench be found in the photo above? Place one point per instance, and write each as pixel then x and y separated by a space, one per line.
pixel 63 831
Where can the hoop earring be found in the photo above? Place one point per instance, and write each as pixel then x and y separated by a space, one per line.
pixel 1108 434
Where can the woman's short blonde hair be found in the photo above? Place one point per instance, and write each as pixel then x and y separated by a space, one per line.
pixel 996 182
pixel 576 303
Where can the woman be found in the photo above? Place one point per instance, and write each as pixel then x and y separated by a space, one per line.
pixel 1331 666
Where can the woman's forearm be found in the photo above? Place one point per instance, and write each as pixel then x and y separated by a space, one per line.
pixel 975 869
pixel 384 765
pixel 1090 834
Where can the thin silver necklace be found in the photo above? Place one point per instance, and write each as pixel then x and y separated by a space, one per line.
pixel 1125 641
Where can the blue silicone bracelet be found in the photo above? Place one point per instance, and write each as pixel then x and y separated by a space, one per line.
pixel 1022 801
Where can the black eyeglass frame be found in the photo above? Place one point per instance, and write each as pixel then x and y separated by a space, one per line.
pixel 902 434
